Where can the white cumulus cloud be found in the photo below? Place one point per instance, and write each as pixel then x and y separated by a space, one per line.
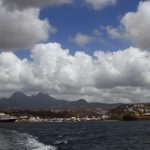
pixel 122 76
pixel 99 4
pixel 82 39
pixel 137 25
pixel 22 29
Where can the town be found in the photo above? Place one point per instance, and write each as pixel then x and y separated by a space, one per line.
pixel 121 112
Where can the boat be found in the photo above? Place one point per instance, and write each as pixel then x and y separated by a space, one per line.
pixel 7 118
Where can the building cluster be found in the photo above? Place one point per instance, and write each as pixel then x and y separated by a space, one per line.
pixel 120 112
pixel 131 111
pixel 69 119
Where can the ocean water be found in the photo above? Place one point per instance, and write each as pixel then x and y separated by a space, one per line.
pixel 99 135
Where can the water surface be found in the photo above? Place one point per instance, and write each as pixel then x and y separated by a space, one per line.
pixel 76 136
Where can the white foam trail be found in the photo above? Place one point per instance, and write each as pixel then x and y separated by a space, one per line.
pixel 16 141
pixel 35 145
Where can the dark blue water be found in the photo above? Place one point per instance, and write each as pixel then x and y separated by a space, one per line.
pixel 75 136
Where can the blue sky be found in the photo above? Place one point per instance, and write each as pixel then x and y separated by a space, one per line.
pixel 71 19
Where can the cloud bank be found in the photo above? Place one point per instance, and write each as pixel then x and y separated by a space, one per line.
pixel 19 4
pixel 120 76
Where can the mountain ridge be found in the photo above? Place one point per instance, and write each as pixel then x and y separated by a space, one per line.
pixel 19 100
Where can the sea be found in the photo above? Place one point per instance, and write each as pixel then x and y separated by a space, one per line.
pixel 94 135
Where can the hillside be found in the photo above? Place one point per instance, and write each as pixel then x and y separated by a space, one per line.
pixel 44 101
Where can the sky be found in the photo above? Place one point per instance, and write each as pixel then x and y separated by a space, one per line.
pixel 70 49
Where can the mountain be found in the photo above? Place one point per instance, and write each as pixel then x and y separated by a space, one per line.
pixel 43 101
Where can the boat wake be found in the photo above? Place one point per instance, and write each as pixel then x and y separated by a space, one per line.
pixel 17 141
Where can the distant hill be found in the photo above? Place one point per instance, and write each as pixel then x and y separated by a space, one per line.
pixel 43 101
